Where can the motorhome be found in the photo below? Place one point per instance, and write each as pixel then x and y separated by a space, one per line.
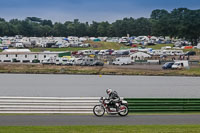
pixel 87 52
pixel 173 52
pixel 49 61
pixel 166 52
pixel 122 61
pixel 78 61
pixel 155 52
pixel 61 61
pixel 87 61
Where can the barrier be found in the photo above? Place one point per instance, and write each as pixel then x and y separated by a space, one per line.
pixel 163 105
pixel 47 104
pixel 86 104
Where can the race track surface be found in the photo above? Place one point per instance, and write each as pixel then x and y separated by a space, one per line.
pixel 61 120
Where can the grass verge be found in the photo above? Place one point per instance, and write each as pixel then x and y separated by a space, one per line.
pixel 102 129
pixel 53 69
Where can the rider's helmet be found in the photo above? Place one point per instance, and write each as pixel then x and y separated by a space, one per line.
pixel 108 91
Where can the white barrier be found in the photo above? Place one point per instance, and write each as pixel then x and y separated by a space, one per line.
pixel 47 104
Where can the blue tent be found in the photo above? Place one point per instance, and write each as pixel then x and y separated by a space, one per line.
pixel 66 39
pixel 96 40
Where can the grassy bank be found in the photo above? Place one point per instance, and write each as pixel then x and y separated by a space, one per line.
pixel 159 46
pixel 108 70
pixel 94 45
pixel 102 129
pixel 106 45
pixel 56 49
pixel 97 46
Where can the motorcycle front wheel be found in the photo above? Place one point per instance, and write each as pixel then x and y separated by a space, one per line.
pixel 123 110
pixel 98 110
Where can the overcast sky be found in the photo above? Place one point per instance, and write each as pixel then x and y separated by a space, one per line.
pixel 88 10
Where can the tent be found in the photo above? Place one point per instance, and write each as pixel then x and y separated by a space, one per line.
pixel 66 39
pixel 188 47
pixel 140 56
pixel 96 40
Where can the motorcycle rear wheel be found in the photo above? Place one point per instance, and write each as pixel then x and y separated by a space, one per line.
pixel 98 110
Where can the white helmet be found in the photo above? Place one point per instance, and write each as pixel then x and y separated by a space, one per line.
pixel 108 91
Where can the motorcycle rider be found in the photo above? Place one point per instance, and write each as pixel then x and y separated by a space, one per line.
pixel 113 97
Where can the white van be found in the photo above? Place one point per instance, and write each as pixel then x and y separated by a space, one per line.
pixel 122 61
pixel 180 65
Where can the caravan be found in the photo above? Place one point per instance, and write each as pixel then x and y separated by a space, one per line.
pixel 122 61
pixel 87 61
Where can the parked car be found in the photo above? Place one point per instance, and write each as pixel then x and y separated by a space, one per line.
pixel 168 65
pixel 120 52
pixel 97 63
pixel 190 53
pixel 109 51
pixel 102 52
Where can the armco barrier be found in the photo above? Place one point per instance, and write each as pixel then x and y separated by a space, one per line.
pixel 86 104
pixel 47 104
pixel 163 105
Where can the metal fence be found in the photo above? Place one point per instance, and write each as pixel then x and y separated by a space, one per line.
pixel 47 104
pixel 86 104
pixel 163 105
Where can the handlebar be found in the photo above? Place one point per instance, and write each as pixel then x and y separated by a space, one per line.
pixel 103 98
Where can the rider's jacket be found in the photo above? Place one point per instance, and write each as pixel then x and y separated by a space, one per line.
pixel 114 96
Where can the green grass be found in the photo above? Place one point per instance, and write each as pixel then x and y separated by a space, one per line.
pixel 102 129
pixel 190 72
pixel 106 45
pixel 159 46
pixel 98 46
pixel 95 46
pixel 56 49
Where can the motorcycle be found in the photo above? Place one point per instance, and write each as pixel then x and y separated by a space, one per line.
pixel 99 110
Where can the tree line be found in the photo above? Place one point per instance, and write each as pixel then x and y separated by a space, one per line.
pixel 179 23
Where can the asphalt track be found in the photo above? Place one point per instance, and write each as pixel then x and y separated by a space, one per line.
pixel 61 120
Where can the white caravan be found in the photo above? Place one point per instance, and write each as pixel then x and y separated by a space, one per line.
pixel 122 61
